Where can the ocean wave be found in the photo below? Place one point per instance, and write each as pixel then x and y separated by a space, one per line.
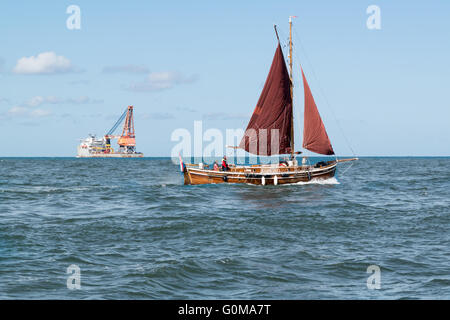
pixel 136 231
pixel 329 181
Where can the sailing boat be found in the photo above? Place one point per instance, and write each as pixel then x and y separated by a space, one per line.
pixel 271 132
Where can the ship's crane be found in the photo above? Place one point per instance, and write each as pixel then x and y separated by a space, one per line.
pixel 127 141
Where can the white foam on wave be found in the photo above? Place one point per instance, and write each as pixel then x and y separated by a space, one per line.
pixel 330 181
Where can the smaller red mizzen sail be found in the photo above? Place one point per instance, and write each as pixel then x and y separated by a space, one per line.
pixel 315 136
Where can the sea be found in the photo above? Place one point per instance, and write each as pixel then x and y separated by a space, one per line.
pixel 129 229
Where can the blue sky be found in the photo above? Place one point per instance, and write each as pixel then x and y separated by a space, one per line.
pixel 180 61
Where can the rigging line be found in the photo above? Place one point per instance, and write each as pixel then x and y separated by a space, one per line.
pixel 297 38
pixel 351 165
pixel 284 42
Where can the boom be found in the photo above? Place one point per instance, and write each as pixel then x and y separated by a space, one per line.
pixel 127 141
pixel 111 131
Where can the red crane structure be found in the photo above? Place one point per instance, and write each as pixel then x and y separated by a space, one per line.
pixel 126 141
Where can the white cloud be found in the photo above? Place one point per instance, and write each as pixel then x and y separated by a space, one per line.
pixel 39 100
pixel 37 113
pixel 126 69
pixel 186 109
pixel 158 81
pixel 35 101
pixel 78 82
pixel 43 63
pixel 53 99
pixel 78 100
pixel 17 110
pixel 159 116
pixel 29 109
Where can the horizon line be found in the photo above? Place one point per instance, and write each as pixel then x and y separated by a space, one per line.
pixel 314 156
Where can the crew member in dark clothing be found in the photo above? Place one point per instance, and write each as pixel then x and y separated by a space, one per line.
pixel 225 166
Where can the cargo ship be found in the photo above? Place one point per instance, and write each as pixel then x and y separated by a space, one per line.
pixel 93 147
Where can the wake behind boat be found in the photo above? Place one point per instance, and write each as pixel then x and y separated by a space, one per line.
pixel 271 132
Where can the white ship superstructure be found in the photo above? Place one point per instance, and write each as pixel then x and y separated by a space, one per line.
pixel 93 147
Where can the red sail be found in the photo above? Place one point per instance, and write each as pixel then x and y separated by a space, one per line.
pixel 315 136
pixel 269 130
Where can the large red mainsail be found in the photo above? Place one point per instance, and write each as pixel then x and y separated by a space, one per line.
pixel 269 130
pixel 315 136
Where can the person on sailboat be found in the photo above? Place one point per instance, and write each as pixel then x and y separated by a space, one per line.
pixel 216 166
pixel 225 166
pixel 284 162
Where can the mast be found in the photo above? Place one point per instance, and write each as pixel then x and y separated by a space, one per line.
pixel 291 87
pixel 273 111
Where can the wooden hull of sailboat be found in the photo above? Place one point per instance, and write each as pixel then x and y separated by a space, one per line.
pixel 259 175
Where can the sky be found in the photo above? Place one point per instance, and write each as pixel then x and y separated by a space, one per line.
pixel 381 92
